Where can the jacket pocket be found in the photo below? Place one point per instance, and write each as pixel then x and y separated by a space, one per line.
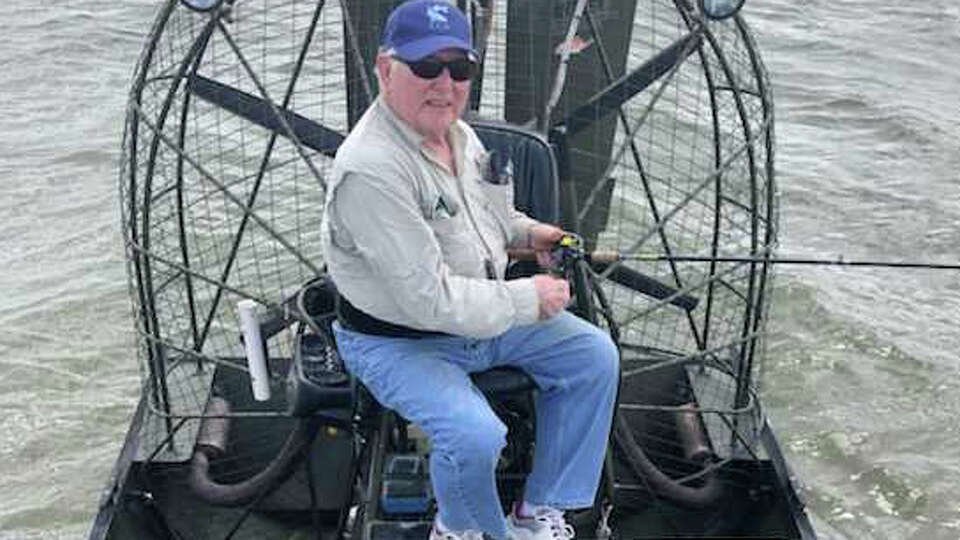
pixel 445 227
pixel 497 203
pixel 458 245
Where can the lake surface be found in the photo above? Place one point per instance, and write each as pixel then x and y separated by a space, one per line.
pixel 862 382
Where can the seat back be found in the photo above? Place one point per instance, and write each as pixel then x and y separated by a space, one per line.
pixel 535 176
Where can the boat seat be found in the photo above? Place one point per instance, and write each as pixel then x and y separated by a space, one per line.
pixel 501 381
pixel 535 178
pixel 536 193
pixel 536 184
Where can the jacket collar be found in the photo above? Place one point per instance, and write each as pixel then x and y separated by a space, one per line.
pixel 457 133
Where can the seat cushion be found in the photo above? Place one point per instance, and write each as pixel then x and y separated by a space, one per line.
pixel 503 380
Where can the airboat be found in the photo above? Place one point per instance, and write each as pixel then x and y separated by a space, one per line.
pixel 645 127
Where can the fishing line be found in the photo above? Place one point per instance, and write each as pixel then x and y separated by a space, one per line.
pixel 840 261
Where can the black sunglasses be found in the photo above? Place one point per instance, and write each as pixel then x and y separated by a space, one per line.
pixel 461 69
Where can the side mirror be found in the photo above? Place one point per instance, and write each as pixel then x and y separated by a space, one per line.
pixel 720 9
pixel 201 5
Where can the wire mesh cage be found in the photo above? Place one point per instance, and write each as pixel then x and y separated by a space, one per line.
pixel 662 124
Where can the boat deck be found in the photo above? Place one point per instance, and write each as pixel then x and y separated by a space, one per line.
pixel 155 500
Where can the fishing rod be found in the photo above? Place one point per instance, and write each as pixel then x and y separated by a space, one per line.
pixel 612 257
pixel 609 257
pixel 609 265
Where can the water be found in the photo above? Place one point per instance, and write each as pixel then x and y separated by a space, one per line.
pixel 862 382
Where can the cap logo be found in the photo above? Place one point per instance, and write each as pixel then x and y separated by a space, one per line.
pixel 438 17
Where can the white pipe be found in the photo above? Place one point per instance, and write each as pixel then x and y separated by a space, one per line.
pixel 253 343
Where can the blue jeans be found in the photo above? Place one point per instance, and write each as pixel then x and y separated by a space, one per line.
pixel 576 368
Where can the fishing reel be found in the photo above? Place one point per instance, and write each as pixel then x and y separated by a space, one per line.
pixel 570 262
pixel 566 254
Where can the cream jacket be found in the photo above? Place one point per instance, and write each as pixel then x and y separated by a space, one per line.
pixel 407 241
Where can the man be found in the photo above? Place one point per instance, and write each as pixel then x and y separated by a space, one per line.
pixel 416 240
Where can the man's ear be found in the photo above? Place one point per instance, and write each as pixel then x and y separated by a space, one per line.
pixel 384 66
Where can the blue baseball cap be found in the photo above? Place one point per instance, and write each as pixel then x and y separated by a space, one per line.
pixel 419 28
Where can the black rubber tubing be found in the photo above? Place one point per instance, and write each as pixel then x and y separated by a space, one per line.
pixel 697 497
pixel 241 493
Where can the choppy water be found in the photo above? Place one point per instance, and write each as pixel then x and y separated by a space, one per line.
pixel 863 381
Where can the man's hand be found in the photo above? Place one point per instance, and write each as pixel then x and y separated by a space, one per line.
pixel 543 238
pixel 553 294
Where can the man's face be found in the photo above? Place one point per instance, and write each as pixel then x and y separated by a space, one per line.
pixel 429 106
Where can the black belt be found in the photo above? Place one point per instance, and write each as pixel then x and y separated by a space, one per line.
pixel 354 319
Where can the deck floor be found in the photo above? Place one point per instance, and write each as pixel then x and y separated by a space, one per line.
pixel 756 511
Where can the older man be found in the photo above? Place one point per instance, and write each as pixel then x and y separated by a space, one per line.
pixel 416 241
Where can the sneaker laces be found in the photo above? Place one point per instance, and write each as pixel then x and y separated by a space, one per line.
pixel 560 529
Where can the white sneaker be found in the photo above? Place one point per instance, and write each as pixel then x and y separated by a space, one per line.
pixel 546 524
pixel 436 534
